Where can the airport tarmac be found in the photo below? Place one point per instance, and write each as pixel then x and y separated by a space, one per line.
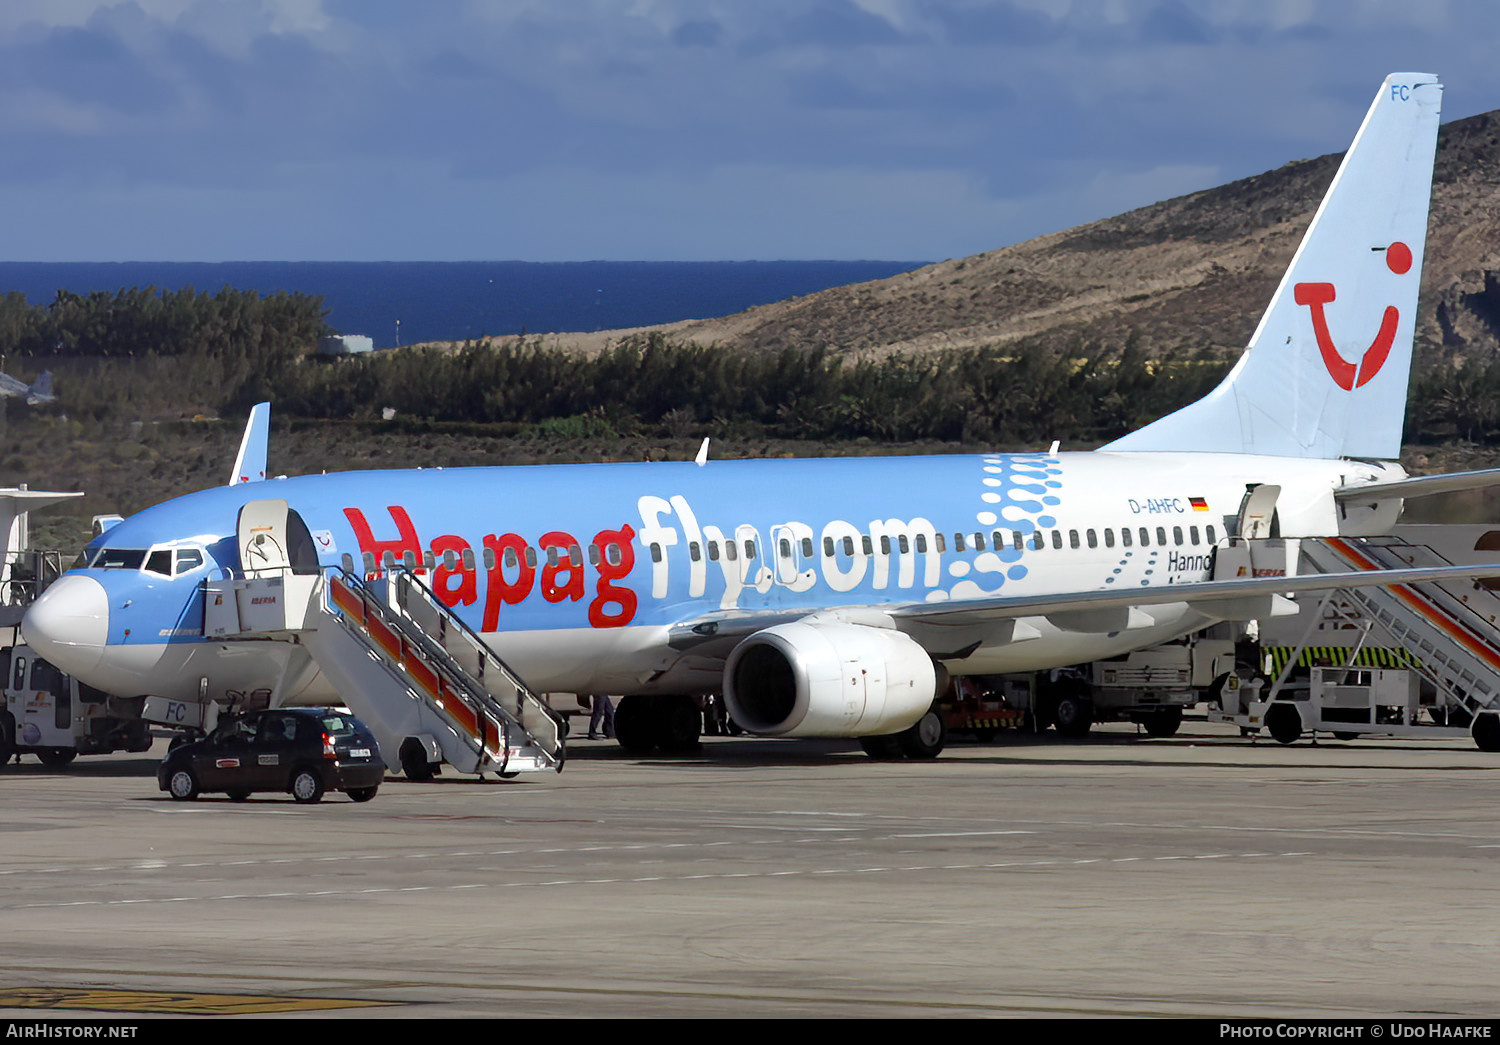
pixel 1118 876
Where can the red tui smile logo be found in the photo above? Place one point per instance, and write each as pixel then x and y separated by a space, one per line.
pixel 1345 374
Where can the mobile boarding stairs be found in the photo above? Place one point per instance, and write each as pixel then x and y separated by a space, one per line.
pixel 426 684
pixel 1378 646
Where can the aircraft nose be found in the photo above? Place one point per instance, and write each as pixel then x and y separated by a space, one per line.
pixel 69 624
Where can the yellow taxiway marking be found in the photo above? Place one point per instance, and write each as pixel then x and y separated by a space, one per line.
pixel 178 1002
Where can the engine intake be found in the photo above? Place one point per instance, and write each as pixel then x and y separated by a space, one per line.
pixel 828 680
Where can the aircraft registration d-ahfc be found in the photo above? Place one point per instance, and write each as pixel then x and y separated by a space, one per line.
pixel 832 597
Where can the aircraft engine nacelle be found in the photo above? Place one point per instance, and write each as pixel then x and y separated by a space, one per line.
pixel 828 680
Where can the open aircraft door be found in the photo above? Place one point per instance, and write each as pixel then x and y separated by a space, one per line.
pixel 272 540
pixel 1257 518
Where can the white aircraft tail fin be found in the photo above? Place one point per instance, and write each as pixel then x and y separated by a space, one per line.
pixel 40 390
pixel 250 463
pixel 1326 371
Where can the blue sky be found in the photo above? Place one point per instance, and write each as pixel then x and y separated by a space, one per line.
pixel 556 130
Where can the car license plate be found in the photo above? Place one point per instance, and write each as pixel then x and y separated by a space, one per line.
pixel 359 752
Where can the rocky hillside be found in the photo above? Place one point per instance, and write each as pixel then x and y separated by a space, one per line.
pixel 1186 274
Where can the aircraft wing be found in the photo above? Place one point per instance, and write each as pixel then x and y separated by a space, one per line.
pixel 1101 611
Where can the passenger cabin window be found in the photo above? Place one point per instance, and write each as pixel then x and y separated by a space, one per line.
pixel 1209 532
pixel 1124 536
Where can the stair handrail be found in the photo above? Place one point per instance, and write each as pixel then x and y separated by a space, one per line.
pixel 474 695
pixel 405 578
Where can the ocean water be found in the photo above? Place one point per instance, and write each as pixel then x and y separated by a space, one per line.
pixel 402 302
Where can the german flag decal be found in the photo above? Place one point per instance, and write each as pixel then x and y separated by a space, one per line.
pixel 1199 504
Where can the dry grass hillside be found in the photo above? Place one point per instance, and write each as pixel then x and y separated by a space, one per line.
pixel 1185 274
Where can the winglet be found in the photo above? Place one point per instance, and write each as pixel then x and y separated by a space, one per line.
pixel 250 464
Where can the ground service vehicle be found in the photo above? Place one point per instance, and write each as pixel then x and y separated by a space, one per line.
pixel 303 751
pixel 56 717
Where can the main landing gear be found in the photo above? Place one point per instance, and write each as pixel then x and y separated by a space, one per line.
pixel 922 740
pixel 670 725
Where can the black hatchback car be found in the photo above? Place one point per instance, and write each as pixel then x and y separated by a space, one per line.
pixel 304 751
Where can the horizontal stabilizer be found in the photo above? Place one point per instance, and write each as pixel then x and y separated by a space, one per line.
pixel 1420 486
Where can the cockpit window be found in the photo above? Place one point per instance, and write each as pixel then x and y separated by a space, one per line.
pixel 160 562
pixel 188 559
pixel 120 558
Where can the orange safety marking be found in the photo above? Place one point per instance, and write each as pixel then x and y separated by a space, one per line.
pixel 384 637
pixel 1423 607
pixel 459 710
pixel 425 678
pixel 347 601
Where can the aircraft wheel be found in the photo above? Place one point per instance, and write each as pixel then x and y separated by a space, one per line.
pixel 1163 723
pixel 362 794
pixel 183 785
pixel 679 724
pixel 924 739
pixel 882 748
pixel 238 794
pixel 1284 723
pixel 307 786
pixel 7 738
pixel 635 724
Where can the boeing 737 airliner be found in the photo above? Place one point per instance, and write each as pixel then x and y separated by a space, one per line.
pixel 831 597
